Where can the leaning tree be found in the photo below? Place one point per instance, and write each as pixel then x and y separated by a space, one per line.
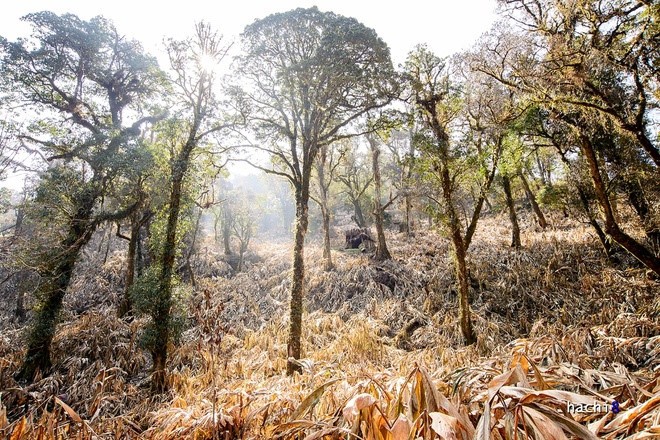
pixel 82 81
pixel 306 77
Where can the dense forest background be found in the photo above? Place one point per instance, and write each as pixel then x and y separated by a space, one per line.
pixel 291 237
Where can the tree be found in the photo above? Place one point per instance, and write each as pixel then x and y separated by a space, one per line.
pixel 460 129
pixel 356 178
pixel 404 154
pixel 382 253
pixel 602 58
pixel 244 211
pixel 597 80
pixel 83 77
pixel 195 120
pixel 307 77
pixel 511 207
pixel 327 162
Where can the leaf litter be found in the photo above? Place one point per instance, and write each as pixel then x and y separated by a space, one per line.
pixel 383 357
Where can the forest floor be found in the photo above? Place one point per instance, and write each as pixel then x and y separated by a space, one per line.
pixel 561 336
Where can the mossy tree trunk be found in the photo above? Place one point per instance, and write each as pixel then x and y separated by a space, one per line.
pixel 55 280
pixel 460 255
pixel 294 350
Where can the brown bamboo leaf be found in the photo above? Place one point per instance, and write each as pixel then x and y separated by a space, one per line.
pixel 74 415
pixel 626 417
pixel 544 425
pixel 444 425
pixel 567 423
pixel 310 400
pixel 352 409
pixel 558 395
pixel 516 375
pixel 650 433
pixel 441 402
pixel 401 428
pixel 3 417
pixel 483 426
pixel 541 383
pixel 18 431
pixel 520 359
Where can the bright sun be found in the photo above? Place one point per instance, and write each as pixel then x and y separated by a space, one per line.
pixel 208 63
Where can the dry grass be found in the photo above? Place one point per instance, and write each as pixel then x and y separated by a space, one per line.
pixel 383 358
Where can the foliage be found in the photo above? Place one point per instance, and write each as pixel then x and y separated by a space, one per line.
pixel 145 297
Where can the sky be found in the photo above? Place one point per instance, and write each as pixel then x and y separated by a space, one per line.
pixel 447 26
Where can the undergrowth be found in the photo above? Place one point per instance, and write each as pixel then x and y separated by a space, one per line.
pixel 558 328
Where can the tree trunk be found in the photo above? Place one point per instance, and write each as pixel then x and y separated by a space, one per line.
pixel 325 211
pixel 21 276
pixel 463 288
pixel 532 200
pixel 382 253
pixel 327 255
pixel 126 305
pixel 515 229
pixel 359 216
pixel 611 227
pixel 161 317
pixel 638 201
pixel 226 230
pixel 20 312
pixel 602 237
pixel 460 255
pixel 56 276
pixel 408 226
pixel 297 281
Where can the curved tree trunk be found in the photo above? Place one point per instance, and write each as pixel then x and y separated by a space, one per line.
pixel 532 200
pixel 56 278
pixel 515 229
pixel 611 227
pixel 382 253
pixel 460 256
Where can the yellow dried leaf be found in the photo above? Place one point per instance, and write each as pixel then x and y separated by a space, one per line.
pixel 401 428
pixel 19 429
pixel 516 375
pixel 74 415
pixel 444 425
pixel 545 426
pixel 355 405
pixel 311 400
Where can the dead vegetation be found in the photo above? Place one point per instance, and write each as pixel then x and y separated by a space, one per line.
pixel 383 360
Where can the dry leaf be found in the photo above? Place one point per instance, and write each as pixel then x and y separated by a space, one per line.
pixel 355 405
pixel 444 425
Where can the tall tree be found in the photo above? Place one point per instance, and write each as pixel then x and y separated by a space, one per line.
pixel 328 160
pixel 354 175
pixel 382 252
pixel 598 79
pixel 307 77
pixel 82 78
pixel 461 126
pixel 195 120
